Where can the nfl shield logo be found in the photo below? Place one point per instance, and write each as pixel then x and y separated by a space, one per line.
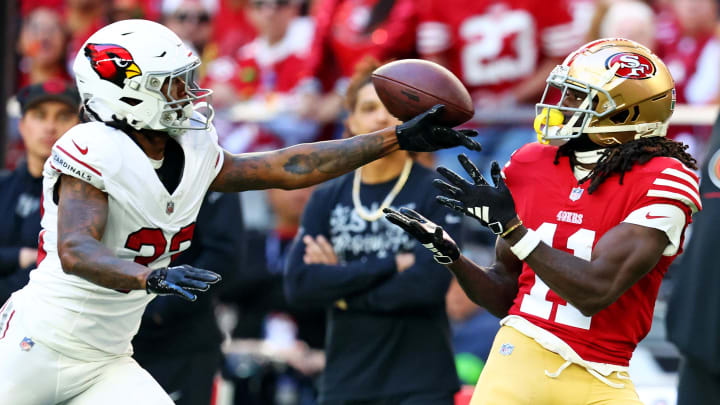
pixel 506 349
pixel 576 193
pixel 26 344
pixel 170 208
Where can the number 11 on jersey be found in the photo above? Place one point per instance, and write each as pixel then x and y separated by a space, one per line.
pixel 536 302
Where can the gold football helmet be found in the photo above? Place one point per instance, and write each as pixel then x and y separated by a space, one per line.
pixel 624 92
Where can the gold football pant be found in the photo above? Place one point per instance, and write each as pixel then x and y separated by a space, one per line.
pixel 515 375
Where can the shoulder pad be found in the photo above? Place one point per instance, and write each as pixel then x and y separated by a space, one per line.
pixel 87 152
pixel 533 151
pixel 672 180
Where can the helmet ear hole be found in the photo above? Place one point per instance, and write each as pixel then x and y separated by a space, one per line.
pixel 620 117
pixel 131 101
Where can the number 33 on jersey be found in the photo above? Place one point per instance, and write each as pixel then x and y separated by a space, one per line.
pixel 660 194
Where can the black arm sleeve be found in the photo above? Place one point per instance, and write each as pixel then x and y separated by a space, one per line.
pixel 316 284
pixel 423 285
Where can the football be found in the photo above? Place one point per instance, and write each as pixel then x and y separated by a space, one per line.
pixel 409 87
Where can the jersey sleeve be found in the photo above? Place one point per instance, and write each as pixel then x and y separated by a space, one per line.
pixel 513 170
pixel 205 144
pixel 668 203
pixel 86 152
pixel 215 152
pixel 667 218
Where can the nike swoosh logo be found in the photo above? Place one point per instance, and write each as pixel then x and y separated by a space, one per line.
pixel 648 216
pixel 83 151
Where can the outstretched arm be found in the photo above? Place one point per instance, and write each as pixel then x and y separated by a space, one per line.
pixel 307 164
pixel 492 287
pixel 302 165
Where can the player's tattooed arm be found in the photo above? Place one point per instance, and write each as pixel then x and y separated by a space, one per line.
pixel 493 287
pixel 302 165
pixel 82 215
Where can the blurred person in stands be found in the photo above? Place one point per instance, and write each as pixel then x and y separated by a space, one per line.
pixel 82 19
pixel 473 330
pixel 631 19
pixel 42 47
pixel 192 21
pixel 179 341
pixel 231 27
pixel 388 338
pixel 48 110
pixel 693 317
pixel 689 45
pixel 263 309
pixel 256 86
pixel 502 51
pixel 127 9
pixel 346 32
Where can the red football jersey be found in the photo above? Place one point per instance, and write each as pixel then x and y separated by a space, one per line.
pixel 341 40
pixel 493 45
pixel 550 201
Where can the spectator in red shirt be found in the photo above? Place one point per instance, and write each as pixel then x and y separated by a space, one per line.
pixel 42 47
pixel 82 18
pixel 689 45
pixel 261 102
pixel 191 20
pixel 502 51
pixel 231 27
pixel 346 32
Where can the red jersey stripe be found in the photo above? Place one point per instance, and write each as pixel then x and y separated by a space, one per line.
pixel 94 170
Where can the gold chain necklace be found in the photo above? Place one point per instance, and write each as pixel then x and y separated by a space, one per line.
pixel 374 216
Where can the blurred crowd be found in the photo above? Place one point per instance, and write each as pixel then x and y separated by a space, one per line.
pixel 279 70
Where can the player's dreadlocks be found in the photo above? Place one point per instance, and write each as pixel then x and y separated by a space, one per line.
pixel 621 158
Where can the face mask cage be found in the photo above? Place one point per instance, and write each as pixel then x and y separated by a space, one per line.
pixel 183 98
pixel 560 86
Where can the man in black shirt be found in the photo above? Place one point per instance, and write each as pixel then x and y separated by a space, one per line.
pixel 388 335
pixel 693 319
pixel 48 110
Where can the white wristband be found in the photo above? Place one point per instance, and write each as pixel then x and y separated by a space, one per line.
pixel 525 245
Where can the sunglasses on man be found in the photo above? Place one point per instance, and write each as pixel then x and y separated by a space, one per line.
pixel 197 18
pixel 270 3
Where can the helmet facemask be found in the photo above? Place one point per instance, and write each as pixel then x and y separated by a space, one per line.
pixel 182 98
pixel 560 82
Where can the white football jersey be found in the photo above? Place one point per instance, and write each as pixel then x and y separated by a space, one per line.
pixel 145 223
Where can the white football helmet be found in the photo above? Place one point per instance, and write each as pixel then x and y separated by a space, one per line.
pixel 141 71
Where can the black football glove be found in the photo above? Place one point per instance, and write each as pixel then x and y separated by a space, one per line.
pixel 493 205
pixel 178 280
pixel 432 236
pixel 424 134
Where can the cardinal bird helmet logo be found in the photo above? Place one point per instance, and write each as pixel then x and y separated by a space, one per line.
pixel 112 62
